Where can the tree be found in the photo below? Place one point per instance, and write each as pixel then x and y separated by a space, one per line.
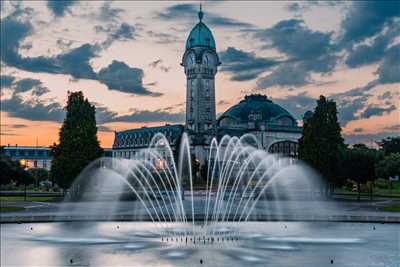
pixel 39 174
pixel 321 141
pixel 358 164
pixel 391 145
pixel 13 171
pixel 78 143
pixel 389 166
pixel 204 171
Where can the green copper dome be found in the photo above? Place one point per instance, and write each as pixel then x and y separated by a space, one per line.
pixel 200 35
pixel 257 108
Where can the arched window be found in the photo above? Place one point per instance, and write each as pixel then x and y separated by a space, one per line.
pixel 286 148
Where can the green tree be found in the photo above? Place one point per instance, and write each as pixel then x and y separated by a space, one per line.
pixel 321 141
pixel 358 164
pixel 78 143
pixel 13 171
pixel 389 166
pixel 391 145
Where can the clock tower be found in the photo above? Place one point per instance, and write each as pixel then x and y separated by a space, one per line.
pixel 200 62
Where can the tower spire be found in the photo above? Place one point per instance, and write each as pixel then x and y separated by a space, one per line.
pixel 201 14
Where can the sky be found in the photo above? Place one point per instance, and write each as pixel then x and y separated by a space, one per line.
pixel 125 57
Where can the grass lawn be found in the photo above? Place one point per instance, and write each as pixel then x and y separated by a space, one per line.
pixel 29 198
pixel 11 209
pixel 393 208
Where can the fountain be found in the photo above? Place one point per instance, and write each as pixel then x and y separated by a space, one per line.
pixel 239 175
pixel 255 207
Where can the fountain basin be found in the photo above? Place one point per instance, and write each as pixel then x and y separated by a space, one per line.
pixel 143 244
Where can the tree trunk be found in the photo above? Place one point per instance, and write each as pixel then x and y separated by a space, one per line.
pixel 359 191
pixel 371 188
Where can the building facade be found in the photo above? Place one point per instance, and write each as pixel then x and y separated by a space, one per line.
pixel 31 157
pixel 274 127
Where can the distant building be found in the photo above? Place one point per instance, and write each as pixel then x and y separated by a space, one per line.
pixel 29 156
pixel 32 157
pixel 275 129
pixel 129 143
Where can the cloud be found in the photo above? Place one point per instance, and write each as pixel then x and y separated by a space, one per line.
pixel 297 104
pixel 285 75
pixel 367 18
pixel 30 110
pixel 75 62
pixel 14 126
pixel 385 95
pixel 358 130
pixel 158 63
pixel 164 38
pixel 395 128
pixel 108 13
pixel 373 110
pixel 307 5
pixel 59 7
pixel 39 110
pixel 188 12
pixel 124 32
pixel 295 40
pixel 389 70
pixel 103 114
pixel 244 65
pixel 6 81
pixel 102 128
pixel 352 102
pixel 306 51
pixel 119 76
pixel 371 53
pixel 357 138
pixel 26 84
pixel 151 116
pixel 223 103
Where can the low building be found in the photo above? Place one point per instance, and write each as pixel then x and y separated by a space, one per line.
pixel 30 156
pixel 130 143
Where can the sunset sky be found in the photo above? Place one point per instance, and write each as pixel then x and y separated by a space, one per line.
pixel 125 57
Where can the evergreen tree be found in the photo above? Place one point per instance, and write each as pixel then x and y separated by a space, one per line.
pixel 321 141
pixel 391 145
pixel 78 143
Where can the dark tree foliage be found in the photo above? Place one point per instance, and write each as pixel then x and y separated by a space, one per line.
pixel 321 141
pixel 358 164
pixel 78 143
pixel 39 174
pixel 13 171
pixel 391 145
pixel 389 166
pixel 204 170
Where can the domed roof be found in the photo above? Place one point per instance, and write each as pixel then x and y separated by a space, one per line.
pixel 256 108
pixel 200 35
